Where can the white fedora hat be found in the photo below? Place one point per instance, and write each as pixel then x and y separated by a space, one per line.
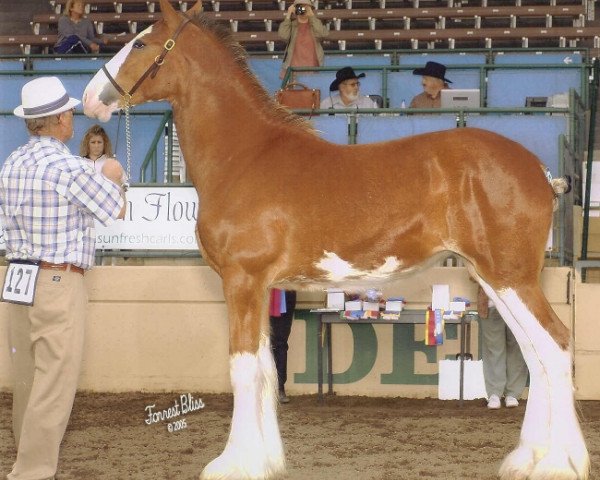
pixel 43 97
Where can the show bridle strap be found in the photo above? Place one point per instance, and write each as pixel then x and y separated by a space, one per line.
pixel 152 70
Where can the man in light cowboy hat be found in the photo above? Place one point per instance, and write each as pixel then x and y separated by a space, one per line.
pixel 434 81
pixel 49 200
pixel 303 35
pixel 348 85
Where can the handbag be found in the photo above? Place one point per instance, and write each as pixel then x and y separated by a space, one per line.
pixel 302 97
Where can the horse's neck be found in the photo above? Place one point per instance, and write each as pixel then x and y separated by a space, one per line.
pixel 220 127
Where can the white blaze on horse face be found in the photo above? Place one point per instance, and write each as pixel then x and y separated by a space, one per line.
pixel 339 270
pixel 100 90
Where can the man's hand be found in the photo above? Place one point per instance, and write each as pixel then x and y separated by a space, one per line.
pixel 113 170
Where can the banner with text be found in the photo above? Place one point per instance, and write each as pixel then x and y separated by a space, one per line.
pixel 157 218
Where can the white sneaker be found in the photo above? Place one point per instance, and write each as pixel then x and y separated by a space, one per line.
pixel 494 402
pixel 511 402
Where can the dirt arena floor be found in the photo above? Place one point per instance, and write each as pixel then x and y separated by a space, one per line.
pixel 348 438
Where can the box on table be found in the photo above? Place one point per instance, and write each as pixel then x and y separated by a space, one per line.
pixel 394 305
pixel 354 305
pixel 335 299
pixel 373 306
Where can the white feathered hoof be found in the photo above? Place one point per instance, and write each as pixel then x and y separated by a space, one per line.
pixel 561 464
pixel 518 464
pixel 566 463
pixel 226 467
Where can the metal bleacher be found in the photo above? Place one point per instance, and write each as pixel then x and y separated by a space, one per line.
pixel 352 23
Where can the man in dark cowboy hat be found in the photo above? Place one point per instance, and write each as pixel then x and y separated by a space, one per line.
pixel 49 200
pixel 434 80
pixel 348 84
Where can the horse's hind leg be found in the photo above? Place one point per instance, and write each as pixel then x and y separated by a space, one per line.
pixel 254 449
pixel 551 446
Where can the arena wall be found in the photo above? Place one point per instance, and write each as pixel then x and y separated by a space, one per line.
pixel 164 328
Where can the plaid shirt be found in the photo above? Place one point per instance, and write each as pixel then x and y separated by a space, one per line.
pixel 49 199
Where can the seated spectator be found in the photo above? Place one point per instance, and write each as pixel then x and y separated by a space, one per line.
pixel 347 83
pixel 76 34
pixel 433 82
pixel 303 35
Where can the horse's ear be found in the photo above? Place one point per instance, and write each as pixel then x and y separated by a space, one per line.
pixel 169 14
pixel 196 9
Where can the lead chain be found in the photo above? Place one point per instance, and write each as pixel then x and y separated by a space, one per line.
pixel 128 143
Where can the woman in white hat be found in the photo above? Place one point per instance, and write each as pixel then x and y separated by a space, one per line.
pixel 49 200
pixel 303 34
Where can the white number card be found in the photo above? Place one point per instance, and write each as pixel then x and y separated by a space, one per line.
pixel 20 282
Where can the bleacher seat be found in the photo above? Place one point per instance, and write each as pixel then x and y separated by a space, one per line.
pixel 540 57
pixel 538 133
pixel 333 128
pixel 13 132
pixel 379 128
pixel 510 88
pixel 11 91
pixel 267 70
pixel 458 58
pixel 357 59
pixel 91 64
pixel 12 65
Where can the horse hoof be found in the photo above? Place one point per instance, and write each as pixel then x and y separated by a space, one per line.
pixel 518 464
pixel 559 464
pixel 225 467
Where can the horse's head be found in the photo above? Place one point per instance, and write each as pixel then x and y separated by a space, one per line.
pixel 140 71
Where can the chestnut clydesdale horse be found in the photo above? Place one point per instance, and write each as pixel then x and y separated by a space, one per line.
pixel 276 203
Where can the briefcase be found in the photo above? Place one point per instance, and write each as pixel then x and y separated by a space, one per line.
pixel 297 95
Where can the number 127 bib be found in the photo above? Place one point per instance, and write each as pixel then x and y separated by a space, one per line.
pixel 20 282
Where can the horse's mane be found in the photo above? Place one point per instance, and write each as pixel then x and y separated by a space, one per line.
pixel 224 37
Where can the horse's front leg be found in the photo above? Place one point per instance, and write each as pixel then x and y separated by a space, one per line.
pixel 254 449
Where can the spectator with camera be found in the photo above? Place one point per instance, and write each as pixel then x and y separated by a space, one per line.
pixel 303 34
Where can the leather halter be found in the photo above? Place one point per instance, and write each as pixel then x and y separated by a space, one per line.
pixel 152 69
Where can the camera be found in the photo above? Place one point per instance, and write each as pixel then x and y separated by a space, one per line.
pixel 300 9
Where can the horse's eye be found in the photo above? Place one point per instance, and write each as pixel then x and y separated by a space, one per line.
pixel 138 44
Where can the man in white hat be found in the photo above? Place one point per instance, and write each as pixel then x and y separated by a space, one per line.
pixel 49 200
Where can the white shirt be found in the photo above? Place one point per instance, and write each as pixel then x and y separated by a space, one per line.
pixel 335 101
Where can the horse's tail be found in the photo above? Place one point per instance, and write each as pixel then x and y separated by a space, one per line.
pixel 560 186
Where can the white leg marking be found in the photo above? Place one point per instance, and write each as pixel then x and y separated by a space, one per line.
pixel 254 450
pixel 551 445
pixel 270 426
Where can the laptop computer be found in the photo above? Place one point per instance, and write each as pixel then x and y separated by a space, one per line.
pixel 460 98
